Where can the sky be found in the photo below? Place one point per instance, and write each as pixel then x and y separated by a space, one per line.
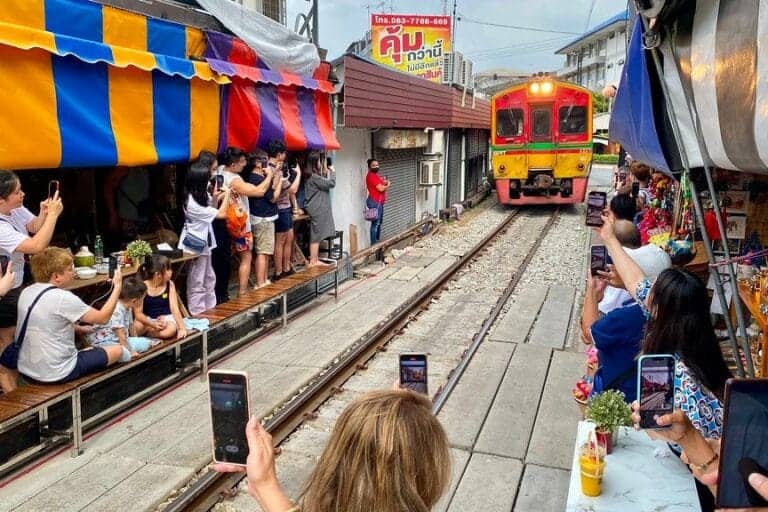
pixel 490 47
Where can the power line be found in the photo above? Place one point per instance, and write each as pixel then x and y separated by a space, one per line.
pixel 513 27
pixel 548 43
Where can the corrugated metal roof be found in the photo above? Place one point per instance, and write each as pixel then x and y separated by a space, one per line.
pixel 376 96
pixel 623 16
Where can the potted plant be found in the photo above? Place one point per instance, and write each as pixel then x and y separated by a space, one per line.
pixel 608 411
pixel 137 251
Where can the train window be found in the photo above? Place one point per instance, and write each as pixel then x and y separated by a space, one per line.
pixel 509 122
pixel 573 120
pixel 542 122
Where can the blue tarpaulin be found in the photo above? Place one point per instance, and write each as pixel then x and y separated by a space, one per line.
pixel 633 122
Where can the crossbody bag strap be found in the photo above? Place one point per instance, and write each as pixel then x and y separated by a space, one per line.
pixel 23 330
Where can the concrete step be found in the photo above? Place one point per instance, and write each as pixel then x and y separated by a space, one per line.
pixel 489 484
pixel 515 325
pixel 542 489
pixel 459 459
pixel 551 328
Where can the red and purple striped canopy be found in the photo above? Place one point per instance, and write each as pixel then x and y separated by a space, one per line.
pixel 263 105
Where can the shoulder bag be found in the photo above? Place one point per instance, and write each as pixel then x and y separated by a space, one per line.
pixel 10 356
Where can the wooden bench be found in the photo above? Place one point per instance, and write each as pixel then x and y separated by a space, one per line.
pixel 35 399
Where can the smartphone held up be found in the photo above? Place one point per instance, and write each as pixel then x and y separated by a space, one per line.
pixel 53 187
pixel 230 410
pixel 596 202
pixel 413 372
pixel 655 388
pixel 598 261
pixel 744 443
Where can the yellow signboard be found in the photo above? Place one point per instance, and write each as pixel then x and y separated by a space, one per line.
pixel 414 44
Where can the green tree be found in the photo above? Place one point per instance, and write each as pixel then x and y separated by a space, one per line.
pixel 599 103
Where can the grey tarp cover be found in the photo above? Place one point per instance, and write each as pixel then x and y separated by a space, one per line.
pixel 279 47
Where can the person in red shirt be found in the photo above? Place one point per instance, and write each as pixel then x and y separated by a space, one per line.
pixel 377 196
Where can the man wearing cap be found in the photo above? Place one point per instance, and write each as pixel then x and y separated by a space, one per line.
pixel 377 195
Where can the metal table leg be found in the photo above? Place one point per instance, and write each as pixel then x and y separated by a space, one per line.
pixel 77 426
pixel 285 310
pixel 336 284
pixel 204 358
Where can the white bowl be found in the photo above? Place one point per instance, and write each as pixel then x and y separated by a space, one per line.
pixel 85 272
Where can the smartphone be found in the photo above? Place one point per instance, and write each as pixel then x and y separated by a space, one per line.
pixel 112 266
pixel 744 443
pixel 218 181
pixel 413 372
pixel 329 162
pixel 596 202
pixel 598 259
pixel 4 260
pixel 635 189
pixel 53 187
pixel 655 388
pixel 230 409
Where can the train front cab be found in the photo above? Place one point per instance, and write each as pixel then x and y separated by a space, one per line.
pixel 542 143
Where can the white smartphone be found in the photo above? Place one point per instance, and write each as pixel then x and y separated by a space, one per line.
pixel 230 410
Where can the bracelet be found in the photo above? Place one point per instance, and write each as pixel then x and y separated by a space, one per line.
pixel 703 467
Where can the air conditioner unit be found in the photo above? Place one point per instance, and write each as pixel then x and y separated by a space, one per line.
pixel 466 75
pixel 457 67
pixel 429 172
pixel 447 68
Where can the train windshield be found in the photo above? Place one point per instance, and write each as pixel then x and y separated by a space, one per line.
pixel 573 120
pixel 509 122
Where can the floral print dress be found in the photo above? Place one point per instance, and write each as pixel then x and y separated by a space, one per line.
pixel 702 407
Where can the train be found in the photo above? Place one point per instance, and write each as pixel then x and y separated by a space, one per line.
pixel 541 142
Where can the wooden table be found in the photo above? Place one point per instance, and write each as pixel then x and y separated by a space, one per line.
pixel 127 271
pixel 752 301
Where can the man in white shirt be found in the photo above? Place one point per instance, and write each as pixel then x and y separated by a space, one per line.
pixel 21 232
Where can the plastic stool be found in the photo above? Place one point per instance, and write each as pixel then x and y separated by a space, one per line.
pixel 334 250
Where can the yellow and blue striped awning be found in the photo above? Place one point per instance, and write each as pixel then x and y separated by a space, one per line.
pixel 83 84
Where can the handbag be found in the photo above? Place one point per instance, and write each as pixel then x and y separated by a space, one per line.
pixel 10 356
pixel 193 242
pixel 371 214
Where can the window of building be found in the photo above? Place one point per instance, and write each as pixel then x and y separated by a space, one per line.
pixel 509 122
pixel 573 120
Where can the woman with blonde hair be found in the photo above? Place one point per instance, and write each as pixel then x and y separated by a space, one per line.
pixel 387 453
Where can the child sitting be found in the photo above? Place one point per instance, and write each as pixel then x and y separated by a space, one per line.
pixel 120 329
pixel 160 315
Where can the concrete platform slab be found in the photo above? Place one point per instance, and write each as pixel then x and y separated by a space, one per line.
pixel 464 414
pixel 542 489
pixel 516 324
pixel 551 328
pixel 140 490
pixel 488 484
pixel 83 486
pixel 459 460
pixel 555 429
pixel 507 429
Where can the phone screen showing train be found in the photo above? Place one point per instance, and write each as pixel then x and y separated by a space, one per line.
pixel 656 389
pixel 598 259
pixel 744 445
pixel 413 372
pixel 595 205
pixel 229 415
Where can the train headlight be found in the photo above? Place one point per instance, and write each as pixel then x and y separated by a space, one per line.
pixel 535 87
pixel 547 87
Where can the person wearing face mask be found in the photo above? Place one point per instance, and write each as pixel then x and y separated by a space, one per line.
pixel 377 196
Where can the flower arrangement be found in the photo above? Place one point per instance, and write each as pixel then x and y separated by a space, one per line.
pixel 608 411
pixel 138 250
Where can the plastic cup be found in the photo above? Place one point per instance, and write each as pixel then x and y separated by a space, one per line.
pixel 591 475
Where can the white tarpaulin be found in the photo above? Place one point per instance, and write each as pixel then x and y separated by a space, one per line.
pixel 279 47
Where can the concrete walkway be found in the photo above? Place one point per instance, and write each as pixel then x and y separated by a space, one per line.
pixel 135 462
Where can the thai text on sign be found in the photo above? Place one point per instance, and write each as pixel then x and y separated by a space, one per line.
pixel 414 44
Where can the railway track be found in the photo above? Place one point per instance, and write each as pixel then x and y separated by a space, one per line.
pixel 212 487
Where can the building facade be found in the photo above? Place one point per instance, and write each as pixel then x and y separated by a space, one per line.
pixel 596 58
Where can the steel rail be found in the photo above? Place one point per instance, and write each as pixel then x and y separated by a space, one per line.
pixel 208 490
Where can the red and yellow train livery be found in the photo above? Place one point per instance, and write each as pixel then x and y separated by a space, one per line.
pixel 542 142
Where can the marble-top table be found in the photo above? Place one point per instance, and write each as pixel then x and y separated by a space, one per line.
pixel 635 479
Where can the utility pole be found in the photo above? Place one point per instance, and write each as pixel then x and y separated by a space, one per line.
pixel 303 22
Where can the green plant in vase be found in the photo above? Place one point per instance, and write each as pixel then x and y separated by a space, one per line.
pixel 137 251
pixel 608 411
